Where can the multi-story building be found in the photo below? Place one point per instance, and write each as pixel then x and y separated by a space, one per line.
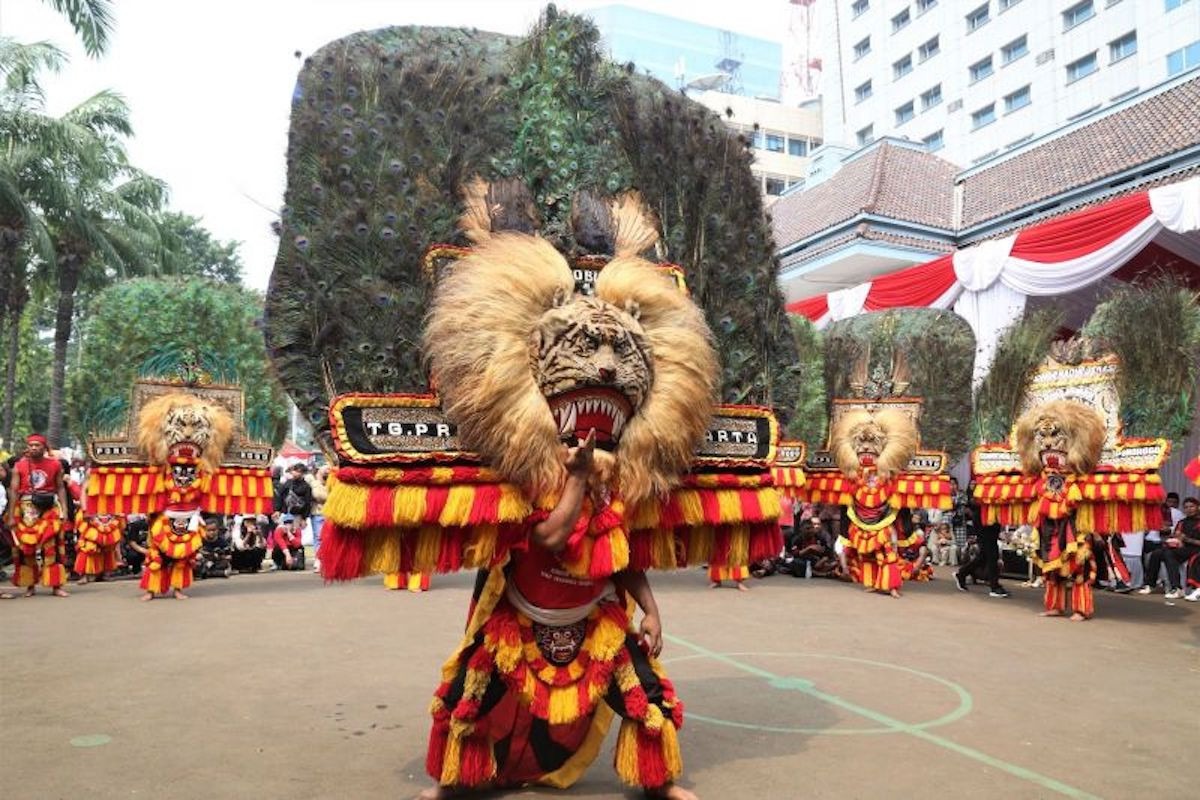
pixel 737 76
pixel 974 78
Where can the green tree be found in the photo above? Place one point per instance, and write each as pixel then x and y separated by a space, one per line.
pixel 133 320
pixel 192 250
pixel 91 19
pixel 31 405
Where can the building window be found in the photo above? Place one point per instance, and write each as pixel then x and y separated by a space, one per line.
pixel 1014 50
pixel 1018 99
pixel 1183 59
pixel 900 20
pixel 775 142
pixel 859 6
pixel 866 135
pixel 931 97
pixel 756 140
pixel 1005 5
pixel 977 18
pixel 925 5
pixel 862 48
pixel 929 49
pixel 902 67
pixel 1083 67
pixel 1171 5
pixel 904 113
pixel 862 91
pixel 934 141
pixel 980 69
pixel 797 147
pixel 1123 47
pixel 1080 12
pixel 775 186
pixel 984 116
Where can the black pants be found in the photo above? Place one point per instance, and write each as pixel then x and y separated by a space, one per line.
pixel 248 560
pixel 987 556
pixel 1173 558
pixel 280 559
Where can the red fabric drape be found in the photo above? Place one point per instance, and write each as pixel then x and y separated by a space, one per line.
pixel 813 307
pixel 1078 234
pixel 918 285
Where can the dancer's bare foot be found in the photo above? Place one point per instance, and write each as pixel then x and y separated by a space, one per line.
pixel 671 791
pixel 741 587
pixel 147 596
pixel 30 592
pixel 60 592
pixel 82 581
pixel 447 792
pixel 1051 614
pixel 715 585
pixel 1077 617
pixel 895 593
pixel 180 595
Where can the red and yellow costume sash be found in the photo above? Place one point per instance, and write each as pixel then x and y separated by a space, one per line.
pixel 1103 502
pixel 124 490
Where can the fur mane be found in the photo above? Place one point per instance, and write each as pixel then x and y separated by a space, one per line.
pixel 153 416
pixel 478 344
pixel 900 441
pixel 1081 425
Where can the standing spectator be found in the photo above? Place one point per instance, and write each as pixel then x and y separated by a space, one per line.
pixel 287 547
pixel 987 557
pixel 295 496
pixel 1178 549
pixel 959 515
pixel 320 492
pixel 249 545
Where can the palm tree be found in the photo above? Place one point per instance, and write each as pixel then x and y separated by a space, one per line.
pixel 91 19
pixel 105 229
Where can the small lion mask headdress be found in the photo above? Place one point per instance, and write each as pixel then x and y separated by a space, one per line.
pixel 180 427
pixel 522 363
pixel 884 440
pixel 1062 436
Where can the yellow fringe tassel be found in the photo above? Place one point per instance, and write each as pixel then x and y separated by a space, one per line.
pixel 625 759
pixel 347 504
pixel 429 544
pixel 739 545
pixel 700 544
pixel 481 549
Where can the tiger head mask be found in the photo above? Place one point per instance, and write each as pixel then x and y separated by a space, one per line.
pixel 883 441
pixel 1063 436
pixel 184 431
pixel 522 363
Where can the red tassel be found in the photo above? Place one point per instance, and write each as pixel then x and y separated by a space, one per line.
pixel 435 501
pixel 466 709
pixel 481 660
pixel 450 553
pixel 540 707
pixel 602 557
pixel 607 519
pixel 639 550
pixel 476 766
pixel 341 553
pixel 720 548
pixel 439 737
pixel 677 715
pixel 379 507
pixel 751 508
pixel 485 507
pixel 652 767
pixel 766 541
pixel 408 546
pixel 710 506
pixel 671 515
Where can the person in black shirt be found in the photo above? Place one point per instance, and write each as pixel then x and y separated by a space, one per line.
pixel 988 555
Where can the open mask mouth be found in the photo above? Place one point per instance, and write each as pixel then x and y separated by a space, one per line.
pixel 589 408
pixel 867 457
pixel 184 451
pixel 1054 460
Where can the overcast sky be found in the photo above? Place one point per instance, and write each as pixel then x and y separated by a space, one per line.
pixel 210 83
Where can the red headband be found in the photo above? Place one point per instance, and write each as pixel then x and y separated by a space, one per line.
pixel 35 438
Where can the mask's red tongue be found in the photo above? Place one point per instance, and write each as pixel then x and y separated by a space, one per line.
pixel 1053 461
pixel 867 460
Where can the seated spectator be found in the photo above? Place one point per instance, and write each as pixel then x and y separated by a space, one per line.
pixel 810 554
pixel 133 542
pixel 287 548
pixel 1181 547
pixel 249 545
pixel 914 552
pixel 942 548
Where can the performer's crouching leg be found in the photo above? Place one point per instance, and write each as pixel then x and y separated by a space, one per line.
pixel 647 751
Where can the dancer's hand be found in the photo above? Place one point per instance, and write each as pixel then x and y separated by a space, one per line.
pixel 652 634
pixel 580 458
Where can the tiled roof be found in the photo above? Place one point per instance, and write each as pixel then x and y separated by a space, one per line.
pixel 888 180
pixel 1142 133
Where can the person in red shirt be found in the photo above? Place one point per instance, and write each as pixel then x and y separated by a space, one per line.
pixel 36 518
pixel 287 548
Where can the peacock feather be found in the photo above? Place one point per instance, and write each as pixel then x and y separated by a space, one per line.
pixel 387 128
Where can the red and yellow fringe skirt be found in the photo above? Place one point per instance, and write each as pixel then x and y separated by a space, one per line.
pixel 505 716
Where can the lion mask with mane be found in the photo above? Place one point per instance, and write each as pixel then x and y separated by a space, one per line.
pixel 884 440
pixel 180 427
pixel 1062 436
pixel 522 363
